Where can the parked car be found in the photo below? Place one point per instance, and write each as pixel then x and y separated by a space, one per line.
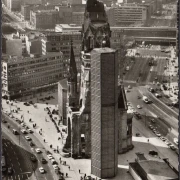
pixel 172 147
pixel 153 153
pixel 31 144
pixel 55 166
pixel 49 156
pixel 163 138
pixel 176 141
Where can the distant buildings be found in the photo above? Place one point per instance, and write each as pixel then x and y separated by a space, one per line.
pixel 25 75
pixel 12 5
pixel 127 14
pixel 33 43
pixel 44 19
pixel 56 42
pixel 14 47
pixel 78 18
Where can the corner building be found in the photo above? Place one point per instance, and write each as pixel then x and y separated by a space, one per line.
pixel 104 112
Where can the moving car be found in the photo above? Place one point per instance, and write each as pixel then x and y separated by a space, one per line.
pixel 27 138
pixel 41 170
pixel 53 161
pixel 30 131
pixel 49 156
pixel 23 131
pixel 55 166
pixel 4 121
pixel 139 107
pixel 43 161
pixel 38 151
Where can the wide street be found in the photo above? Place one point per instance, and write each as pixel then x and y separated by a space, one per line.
pixel 18 151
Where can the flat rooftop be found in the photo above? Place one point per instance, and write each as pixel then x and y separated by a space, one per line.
pixel 157 170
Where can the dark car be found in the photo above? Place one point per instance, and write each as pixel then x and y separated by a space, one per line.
pixel 31 102
pixel 10 170
pixel 137 135
pixel 31 144
pixel 153 153
pixel 47 152
pixel 33 158
pixel 4 121
pixel 26 104
pixel 43 161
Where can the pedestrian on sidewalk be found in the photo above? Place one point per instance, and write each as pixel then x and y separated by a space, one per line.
pixel 44 140
pixel 148 140
pixel 79 171
pixel 40 129
pixel 27 111
pixel 69 168
pixel 66 174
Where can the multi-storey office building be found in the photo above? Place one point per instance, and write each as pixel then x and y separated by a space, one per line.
pixel 44 19
pixel 78 18
pixel 127 14
pixel 56 42
pixel 13 5
pixel 24 75
pixel 27 7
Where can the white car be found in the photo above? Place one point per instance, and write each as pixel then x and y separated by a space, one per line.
pixel 29 130
pixel 176 141
pixel 38 150
pixel 27 138
pixel 41 170
pixel 139 107
pixel 55 166
pixel 23 125
pixel 128 103
pixel 49 156
pixel 23 131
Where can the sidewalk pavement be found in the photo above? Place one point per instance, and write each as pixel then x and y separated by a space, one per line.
pixel 49 133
